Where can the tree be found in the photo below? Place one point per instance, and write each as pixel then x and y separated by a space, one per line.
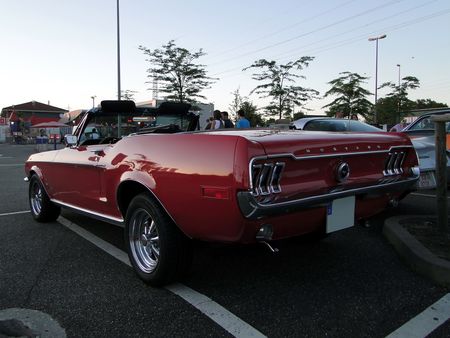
pixel 175 68
pixel 428 104
pixel 351 96
pixel 236 103
pixel 399 95
pixel 279 84
pixel 128 94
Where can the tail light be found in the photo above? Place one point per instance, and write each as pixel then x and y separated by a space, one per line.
pixel 266 178
pixel 393 164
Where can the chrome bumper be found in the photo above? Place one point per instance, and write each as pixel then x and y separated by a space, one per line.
pixel 252 209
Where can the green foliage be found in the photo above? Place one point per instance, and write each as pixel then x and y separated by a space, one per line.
pixel 299 115
pixel 236 103
pixel 175 68
pixel 279 84
pixel 428 104
pixel 128 94
pixel 351 96
pixel 396 104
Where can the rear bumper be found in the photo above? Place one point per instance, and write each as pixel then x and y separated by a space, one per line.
pixel 252 209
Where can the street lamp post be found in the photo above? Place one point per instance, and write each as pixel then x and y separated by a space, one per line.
pixel 399 83
pixel 93 100
pixel 119 122
pixel 376 38
pixel 118 53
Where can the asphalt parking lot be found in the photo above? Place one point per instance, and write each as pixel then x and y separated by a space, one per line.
pixel 351 284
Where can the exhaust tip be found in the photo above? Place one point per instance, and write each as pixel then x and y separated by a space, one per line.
pixel 265 233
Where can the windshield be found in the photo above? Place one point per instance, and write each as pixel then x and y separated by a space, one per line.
pixel 109 128
pixel 427 124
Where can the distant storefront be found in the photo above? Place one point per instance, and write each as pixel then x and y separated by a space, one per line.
pixel 22 117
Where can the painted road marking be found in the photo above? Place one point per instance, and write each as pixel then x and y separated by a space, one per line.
pixel 15 213
pixel 425 195
pixel 427 321
pixel 224 318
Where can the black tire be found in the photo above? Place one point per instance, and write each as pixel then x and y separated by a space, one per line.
pixel 158 251
pixel 42 209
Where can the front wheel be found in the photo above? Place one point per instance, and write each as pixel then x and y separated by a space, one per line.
pixel 158 251
pixel 42 209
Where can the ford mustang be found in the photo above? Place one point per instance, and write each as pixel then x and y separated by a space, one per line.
pixel 152 172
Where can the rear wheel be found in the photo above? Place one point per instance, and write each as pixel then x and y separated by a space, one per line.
pixel 158 251
pixel 42 209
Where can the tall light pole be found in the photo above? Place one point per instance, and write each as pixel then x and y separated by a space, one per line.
pixel 118 53
pixel 93 100
pixel 376 38
pixel 119 122
pixel 399 82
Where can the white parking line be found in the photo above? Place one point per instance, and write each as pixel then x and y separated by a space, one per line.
pixel 15 213
pixel 425 195
pixel 427 321
pixel 207 306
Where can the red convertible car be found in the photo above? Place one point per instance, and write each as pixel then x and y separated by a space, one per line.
pixel 152 172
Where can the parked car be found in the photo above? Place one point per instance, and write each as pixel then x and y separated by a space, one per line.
pixel 422 134
pixel 167 184
pixel 332 124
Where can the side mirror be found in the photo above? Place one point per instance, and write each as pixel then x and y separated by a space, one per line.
pixel 70 140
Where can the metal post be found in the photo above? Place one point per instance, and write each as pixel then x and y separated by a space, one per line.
pixel 376 74
pixel 441 171
pixel 119 122
pixel 398 103
pixel 118 54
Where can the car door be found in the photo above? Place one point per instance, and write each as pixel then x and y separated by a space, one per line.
pixel 76 180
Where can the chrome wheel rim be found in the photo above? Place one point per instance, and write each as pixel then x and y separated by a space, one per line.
pixel 36 198
pixel 144 240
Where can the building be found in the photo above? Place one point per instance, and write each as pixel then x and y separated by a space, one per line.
pixel 22 117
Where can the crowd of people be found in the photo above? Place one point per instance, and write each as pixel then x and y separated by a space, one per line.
pixel 221 120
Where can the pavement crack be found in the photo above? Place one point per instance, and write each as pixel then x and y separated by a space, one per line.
pixel 39 274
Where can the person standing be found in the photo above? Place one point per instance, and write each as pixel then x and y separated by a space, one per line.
pixel 217 122
pixel 226 121
pixel 242 121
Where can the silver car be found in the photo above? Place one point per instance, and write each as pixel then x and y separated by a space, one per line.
pixel 421 132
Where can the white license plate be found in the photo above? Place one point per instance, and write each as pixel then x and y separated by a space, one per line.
pixel 427 180
pixel 341 214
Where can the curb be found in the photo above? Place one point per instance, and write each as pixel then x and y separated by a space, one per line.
pixel 419 258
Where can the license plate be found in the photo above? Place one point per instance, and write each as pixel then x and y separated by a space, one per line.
pixel 341 214
pixel 427 180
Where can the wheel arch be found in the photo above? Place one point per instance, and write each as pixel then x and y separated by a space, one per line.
pixel 129 189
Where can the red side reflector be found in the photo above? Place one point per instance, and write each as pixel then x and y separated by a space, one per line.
pixel 216 192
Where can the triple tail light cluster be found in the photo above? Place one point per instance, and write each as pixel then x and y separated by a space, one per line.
pixel 393 164
pixel 266 178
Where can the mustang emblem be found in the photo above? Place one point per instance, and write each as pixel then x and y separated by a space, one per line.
pixel 342 171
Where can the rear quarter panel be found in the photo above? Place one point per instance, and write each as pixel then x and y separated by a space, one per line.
pixel 178 168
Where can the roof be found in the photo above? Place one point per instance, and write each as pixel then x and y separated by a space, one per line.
pixel 35 106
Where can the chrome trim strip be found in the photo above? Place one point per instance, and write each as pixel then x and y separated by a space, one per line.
pixel 300 158
pixel 97 215
pixel 252 209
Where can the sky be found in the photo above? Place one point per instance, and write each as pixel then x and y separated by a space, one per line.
pixel 64 52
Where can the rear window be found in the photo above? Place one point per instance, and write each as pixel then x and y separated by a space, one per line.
pixel 327 125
